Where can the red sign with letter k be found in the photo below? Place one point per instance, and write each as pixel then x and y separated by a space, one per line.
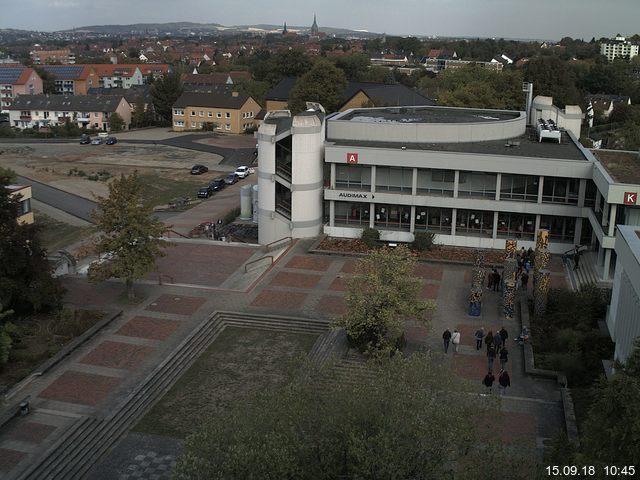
pixel 630 198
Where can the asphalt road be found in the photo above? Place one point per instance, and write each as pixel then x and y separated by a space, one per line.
pixel 67 202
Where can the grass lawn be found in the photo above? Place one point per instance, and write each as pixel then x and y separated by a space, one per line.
pixel 56 235
pixel 161 189
pixel 238 362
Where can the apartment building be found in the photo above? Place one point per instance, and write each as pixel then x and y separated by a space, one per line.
pixel 16 79
pixel 233 113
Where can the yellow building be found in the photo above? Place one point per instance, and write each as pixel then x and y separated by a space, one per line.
pixel 23 194
pixel 232 113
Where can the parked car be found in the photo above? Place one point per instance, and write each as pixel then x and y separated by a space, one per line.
pixel 242 172
pixel 85 139
pixel 111 141
pixel 198 169
pixel 231 179
pixel 217 184
pixel 205 192
pixel 97 141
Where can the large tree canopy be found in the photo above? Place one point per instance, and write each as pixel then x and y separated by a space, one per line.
pixel 398 419
pixel 324 83
pixel 129 240
pixel 26 284
pixel 165 92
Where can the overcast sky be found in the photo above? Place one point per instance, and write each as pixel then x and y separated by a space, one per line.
pixel 536 19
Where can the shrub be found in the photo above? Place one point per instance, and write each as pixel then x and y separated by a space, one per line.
pixel 231 216
pixel 423 241
pixel 371 237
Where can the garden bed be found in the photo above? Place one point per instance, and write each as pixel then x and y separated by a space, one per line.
pixel 437 253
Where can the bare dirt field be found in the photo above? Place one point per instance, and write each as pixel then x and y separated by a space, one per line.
pixel 86 169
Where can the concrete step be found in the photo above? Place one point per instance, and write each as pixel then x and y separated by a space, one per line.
pixel 585 274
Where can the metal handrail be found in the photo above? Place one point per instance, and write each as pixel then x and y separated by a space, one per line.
pixel 268 246
pixel 256 261
pixel 177 233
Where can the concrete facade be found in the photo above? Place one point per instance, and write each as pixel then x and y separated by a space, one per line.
pixel 623 319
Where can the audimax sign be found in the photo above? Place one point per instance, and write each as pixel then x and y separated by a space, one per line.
pixel 361 196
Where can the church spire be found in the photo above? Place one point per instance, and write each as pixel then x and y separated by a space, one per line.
pixel 284 30
pixel 314 27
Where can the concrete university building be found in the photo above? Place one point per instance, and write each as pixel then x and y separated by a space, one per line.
pixel 473 177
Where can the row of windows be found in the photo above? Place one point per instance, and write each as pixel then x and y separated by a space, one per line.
pixel 180 112
pixel 470 184
pixel 440 220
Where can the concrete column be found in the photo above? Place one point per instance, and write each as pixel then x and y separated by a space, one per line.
pixel 596 207
pixel 454 219
pixel 607 264
pixel 373 179
pixel 537 230
pixel 412 225
pixel 456 182
pixel 612 220
pixel 578 231
pixel 332 212
pixel 605 214
pixel 540 188
pixel 498 185
pixel 582 192
pixel 495 226
pixel 333 179
pixel 414 184
pixel 372 211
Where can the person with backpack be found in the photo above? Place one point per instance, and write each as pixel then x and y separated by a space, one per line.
pixel 491 356
pixel 504 357
pixel 455 339
pixel 479 336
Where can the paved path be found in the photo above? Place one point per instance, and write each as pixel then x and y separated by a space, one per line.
pixel 99 375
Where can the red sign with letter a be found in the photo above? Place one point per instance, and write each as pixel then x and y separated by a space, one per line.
pixel 630 198
pixel 352 158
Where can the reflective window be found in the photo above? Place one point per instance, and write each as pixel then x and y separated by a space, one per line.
pixel 394 179
pixel 474 222
pixel 519 187
pixel 353 177
pixel 477 184
pixel 560 190
pixel 352 213
pixel 560 228
pixel 397 217
pixel 432 218
pixel 516 225
pixel 435 182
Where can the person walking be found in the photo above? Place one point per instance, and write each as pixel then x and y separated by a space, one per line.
pixel 524 280
pixel 491 356
pixel 446 338
pixel 505 381
pixel 576 258
pixel 503 333
pixel 488 340
pixel 488 381
pixel 497 342
pixel 479 336
pixel 455 339
pixel 496 280
pixel 504 357
pixel 490 281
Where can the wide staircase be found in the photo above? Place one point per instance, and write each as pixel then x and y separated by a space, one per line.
pixel 585 274
pixel 91 437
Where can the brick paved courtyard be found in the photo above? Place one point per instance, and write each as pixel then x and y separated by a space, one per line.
pixel 80 387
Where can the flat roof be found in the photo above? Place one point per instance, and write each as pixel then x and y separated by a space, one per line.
pixel 525 145
pixel 624 167
pixel 426 114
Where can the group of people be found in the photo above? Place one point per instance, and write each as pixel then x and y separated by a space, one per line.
pixel 448 337
pixel 494 281
pixel 496 346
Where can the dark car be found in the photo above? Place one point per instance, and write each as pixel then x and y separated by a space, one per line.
pixel 231 179
pixel 198 169
pixel 217 184
pixel 85 140
pixel 111 141
pixel 97 141
pixel 205 192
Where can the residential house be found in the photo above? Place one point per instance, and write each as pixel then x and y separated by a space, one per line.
pixel 64 56
pixel 390 60
pixel 23 194
pixel 619 47
pixel 205 79
pixel 503 59
pixel 85 111
pixel 232 113
pixel 16 79
pixel 604 104
pixel 118 75
pixel 356 95
pixel 72 79
pixel 132 95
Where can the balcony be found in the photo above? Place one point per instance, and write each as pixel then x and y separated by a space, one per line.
pixel 64 119
pixel 25 118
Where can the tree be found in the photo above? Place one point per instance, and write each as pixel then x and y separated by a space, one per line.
pixel 397 419
pixel 355 67
pixel 380 297
pixel 26 284
pixel 130 238
pixel 553 77
pixel 165 92
pixel 116 122
pixel 139 116
pixel 612 429
pixel 324 83
pixel 254 89
pixel 48 81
